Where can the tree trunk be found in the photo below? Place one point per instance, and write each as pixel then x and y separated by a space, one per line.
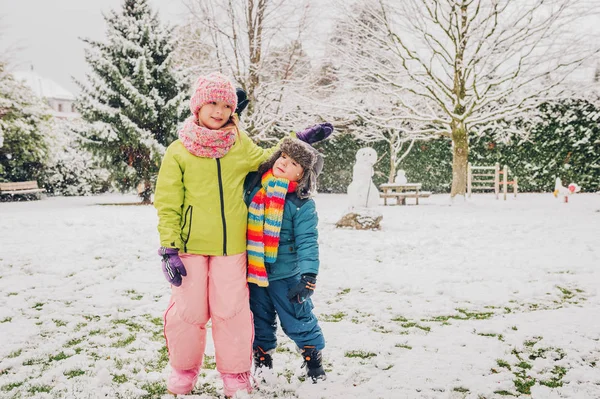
pixel 255 17
pixel 460 141
pixel 392 173
pixel 460 157
pixel 146 197
pixel 145 192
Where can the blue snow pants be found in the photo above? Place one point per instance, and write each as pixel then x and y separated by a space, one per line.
pixel 297 319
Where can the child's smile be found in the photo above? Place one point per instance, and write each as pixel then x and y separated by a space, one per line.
pixel 214 115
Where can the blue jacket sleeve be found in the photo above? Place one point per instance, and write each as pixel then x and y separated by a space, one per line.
pixel 306 236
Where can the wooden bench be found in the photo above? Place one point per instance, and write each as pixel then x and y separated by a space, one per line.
pixel 21 188
pixel 401 197
pixel 396 190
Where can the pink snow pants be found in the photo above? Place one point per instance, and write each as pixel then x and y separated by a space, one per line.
pixel 215 288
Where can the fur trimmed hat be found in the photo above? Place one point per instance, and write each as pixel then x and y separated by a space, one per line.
pixel 309 158
pixel 213 87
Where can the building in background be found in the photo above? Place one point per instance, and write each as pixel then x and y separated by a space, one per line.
pixel 58 98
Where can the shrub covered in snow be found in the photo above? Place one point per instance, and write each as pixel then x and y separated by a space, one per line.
pixel 24 124
pixel 70 168
pixel 565 144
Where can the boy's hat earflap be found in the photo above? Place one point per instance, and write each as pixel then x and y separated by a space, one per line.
pixel 307 186
pixel 318 168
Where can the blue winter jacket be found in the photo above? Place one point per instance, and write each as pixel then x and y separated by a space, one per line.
pixel 298 240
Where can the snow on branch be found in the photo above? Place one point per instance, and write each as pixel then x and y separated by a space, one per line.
pixel 474 61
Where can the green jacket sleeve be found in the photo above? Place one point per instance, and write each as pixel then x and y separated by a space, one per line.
pixel 168 200
pixel 306 237
pixel 256 154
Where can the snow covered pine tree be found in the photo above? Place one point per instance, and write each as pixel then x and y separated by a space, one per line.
pixel 133 96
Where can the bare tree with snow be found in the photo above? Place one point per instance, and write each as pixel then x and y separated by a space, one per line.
pixel 459 67
pixel 259 44
pixel 355 100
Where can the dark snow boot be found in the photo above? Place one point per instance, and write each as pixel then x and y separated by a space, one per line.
pixel 312 361
pixel 262 358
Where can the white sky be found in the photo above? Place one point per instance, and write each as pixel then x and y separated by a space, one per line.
pixel 45 33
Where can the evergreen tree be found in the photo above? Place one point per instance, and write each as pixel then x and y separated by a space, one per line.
pixel 24 123
pixel 134 97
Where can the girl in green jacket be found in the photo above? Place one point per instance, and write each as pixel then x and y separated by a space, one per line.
pixel 202 227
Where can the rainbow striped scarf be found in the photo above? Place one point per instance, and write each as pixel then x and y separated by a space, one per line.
pixel 264 225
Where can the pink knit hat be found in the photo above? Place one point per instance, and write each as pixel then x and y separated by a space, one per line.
pixel 213 87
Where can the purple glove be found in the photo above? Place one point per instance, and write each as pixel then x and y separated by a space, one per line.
pixel 315 133
pixel 172 266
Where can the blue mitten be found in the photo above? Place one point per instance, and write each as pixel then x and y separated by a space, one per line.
pixel 304 289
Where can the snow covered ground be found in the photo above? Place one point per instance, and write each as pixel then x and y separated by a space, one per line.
pixel 482 300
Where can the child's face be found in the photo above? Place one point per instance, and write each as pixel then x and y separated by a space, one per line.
pixel 285 167
pixel 214 115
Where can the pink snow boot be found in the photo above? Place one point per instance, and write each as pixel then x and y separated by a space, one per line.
pixel 181 382
pixel 233 383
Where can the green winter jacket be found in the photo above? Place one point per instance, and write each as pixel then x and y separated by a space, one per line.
pixel 200 200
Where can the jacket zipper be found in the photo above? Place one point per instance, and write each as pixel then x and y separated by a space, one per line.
pixel 251 186
pixel 222 207
pixel 190 211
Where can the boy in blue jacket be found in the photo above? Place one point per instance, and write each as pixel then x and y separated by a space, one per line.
pixel 283 253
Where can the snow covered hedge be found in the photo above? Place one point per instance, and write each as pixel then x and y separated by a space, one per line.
pixel 564 142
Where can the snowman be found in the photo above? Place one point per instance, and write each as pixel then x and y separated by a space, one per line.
pixel 400 177
pixel 362 191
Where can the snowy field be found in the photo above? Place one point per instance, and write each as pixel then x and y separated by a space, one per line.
pixel 490 299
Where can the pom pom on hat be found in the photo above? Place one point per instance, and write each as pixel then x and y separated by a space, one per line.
pixel 213 87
